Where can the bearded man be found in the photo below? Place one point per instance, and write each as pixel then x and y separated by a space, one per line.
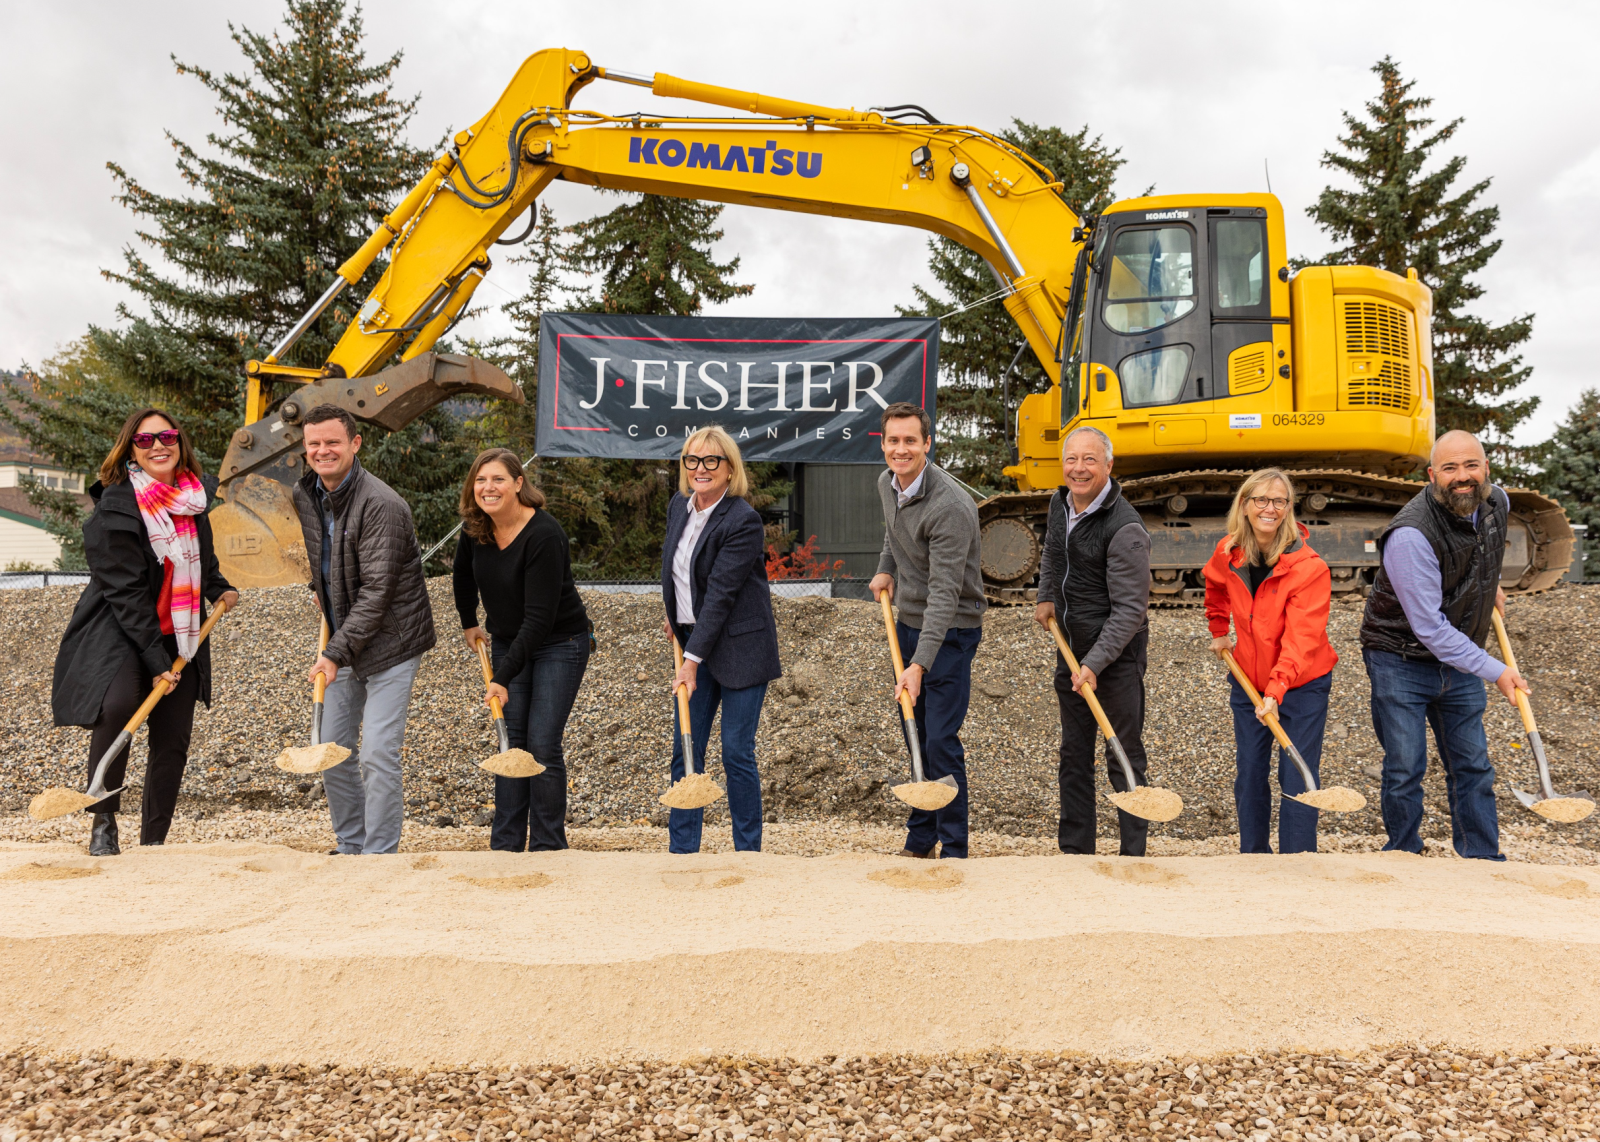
pixel 1422 639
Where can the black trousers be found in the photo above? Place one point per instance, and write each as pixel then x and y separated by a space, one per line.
pixel 1120 689
pixel 170 726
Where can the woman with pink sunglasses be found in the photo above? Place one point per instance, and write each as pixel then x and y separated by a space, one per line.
pixel 153 568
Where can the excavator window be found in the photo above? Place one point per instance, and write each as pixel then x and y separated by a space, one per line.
pixel 1150 279
pixel 1156 376
pixel 1239 254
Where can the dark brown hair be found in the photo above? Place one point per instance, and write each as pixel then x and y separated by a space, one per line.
pixel 114 468
pixel 474 520
pixel 322 413
pixel 903 410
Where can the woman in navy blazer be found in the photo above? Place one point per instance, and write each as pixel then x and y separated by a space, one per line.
pixel 714 584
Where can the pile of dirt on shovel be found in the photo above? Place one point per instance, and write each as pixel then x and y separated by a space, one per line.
pixel 830 745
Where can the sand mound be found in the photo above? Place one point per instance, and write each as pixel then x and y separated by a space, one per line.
pixel 58 803
pixel 940 876
pixel 695 791
pixel 1333 799
pixel 926 794
pixel 512 763
pixel 507 883
pixel 1549 884
pixel 372 962
pixel 1149 802
pixel 698 879
pixel 1138 872
pixel 424 863
pixel 1563 809
pixel 312 758
pixel 36 871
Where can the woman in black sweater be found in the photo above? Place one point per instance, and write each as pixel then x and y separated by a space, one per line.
pixel 514 556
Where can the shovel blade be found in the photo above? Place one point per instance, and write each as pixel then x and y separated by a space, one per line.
pixel 58 802
pixel 1527 799
pixel 312 758
pixel 512 763
pixel 1332 799
pixel 694 791
pixel 1150 802
pixel 927 794
pixel 1564 810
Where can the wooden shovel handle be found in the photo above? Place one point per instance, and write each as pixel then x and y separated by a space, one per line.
pixel 1255 700
pixel 906 703
pixel 320 687
pixel 160 688
pixel 1511 660
pixel 482 647
pixel 1086 691
pixel 683 691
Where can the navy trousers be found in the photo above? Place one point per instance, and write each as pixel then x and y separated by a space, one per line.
pixel 741 717
pixel 530 813
pixel 1303 715
pixel 940 711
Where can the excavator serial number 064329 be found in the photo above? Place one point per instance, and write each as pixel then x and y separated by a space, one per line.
pixel 1171 323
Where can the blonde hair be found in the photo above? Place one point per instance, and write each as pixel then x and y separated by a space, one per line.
pixel 1243 536
pixel 738 482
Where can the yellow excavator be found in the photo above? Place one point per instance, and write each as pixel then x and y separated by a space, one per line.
pixel 1172 323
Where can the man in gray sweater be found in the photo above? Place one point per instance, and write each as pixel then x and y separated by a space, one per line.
pixel 930 568
pixel 1094 579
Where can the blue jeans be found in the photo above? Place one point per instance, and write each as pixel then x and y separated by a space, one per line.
pixel 1405 695
pixel 531 812
pixel 1303 713
pixel 741 715
pixel 368 718
pixel 941 709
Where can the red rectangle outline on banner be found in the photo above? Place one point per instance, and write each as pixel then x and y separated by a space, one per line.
pixel 555 413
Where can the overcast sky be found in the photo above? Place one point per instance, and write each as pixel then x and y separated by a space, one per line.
pixel 1198 96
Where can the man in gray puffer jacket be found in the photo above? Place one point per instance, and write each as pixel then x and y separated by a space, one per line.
pixel 366 570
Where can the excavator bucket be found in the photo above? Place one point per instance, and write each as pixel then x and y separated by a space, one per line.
pixel 259 541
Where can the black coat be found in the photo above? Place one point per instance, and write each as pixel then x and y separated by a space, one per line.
pixel 735 634
pixel 116 615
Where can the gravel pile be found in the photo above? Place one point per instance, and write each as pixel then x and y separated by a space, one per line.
pixel 1400 1095
pixel 830 743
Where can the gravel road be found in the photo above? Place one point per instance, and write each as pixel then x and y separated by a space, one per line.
pixel 829 744
pixel 1401 1095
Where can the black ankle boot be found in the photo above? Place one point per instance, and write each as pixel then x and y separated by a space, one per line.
pixel 103 838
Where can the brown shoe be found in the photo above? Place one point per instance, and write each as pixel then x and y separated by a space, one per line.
pixel 919 856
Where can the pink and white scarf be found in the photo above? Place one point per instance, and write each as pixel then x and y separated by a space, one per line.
pixel 168 514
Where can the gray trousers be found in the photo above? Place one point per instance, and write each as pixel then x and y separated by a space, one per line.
pixel 369 719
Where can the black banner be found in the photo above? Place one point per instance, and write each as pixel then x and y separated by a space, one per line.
pixel 785 389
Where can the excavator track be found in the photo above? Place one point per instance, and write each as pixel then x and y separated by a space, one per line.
pixel 1186 513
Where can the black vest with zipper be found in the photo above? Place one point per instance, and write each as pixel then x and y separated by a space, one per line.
pixel 1083 590
pixel 1469 572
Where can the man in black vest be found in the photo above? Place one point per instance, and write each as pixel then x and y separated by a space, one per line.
pixel 1094 578
pixel 1422 639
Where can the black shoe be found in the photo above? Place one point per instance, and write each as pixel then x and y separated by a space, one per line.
pixel 103 837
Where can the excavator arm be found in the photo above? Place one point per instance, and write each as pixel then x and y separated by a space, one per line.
pixel 876 165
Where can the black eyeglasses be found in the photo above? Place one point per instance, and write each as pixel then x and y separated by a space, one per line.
pixel 146 439
pixel 709 463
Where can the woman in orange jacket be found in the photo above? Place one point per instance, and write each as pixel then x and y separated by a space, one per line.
pixel 1265 578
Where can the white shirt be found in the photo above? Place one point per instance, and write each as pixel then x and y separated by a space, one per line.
pixel 682 558
pixel 904 495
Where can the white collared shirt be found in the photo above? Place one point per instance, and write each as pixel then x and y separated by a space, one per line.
pixel 905 495
pixel 683 557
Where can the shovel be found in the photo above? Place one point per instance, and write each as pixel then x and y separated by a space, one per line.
pixel 1145 801
pixel 1546 803
pixel 692 790
pixel 319 755
pixel 58 802
pixel 508 762
pixel 920 793
pixel 1335 798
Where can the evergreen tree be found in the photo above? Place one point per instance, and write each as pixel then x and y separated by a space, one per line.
pixel 63 515
pixel 1571 462
pixel 977 345
pixel 311 155
pixel 73 406
pixel 1400 216
pixel 653 255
